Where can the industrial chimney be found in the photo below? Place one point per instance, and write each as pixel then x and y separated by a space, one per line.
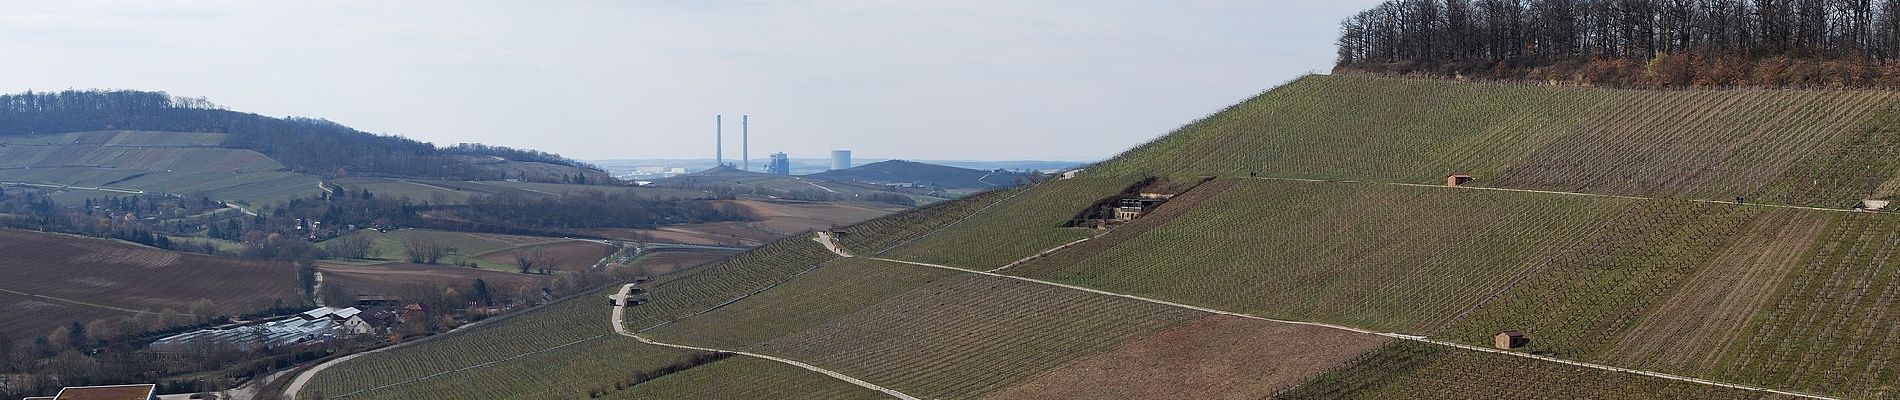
pixel 745 140
pixel 719 139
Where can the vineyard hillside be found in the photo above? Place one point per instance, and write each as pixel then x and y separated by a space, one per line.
pixel 1303 244
pixel 1818 148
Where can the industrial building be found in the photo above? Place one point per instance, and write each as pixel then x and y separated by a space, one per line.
pixel 840 159
pixel 781 164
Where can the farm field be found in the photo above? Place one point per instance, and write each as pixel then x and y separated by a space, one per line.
pixel 1216 356
pixel 559 351
pixel 399 279
pixel 729 233
pixel 1582 299
pixel 436 191
pixel 1392 258
pixel 120 138
pixel 667 261
pixel 1831 325
pixel 847 285
pixel 1412 370
pixel 789 218
pixel 968 335
pixel 487 250
pixel 879 235
pixel 1819 148
pixel 747 378
pixel 1015 228
pixel 685 293
pixel 50 280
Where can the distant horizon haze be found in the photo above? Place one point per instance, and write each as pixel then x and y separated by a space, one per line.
pixel 941 80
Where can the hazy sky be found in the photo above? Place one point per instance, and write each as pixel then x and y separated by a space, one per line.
pixel 635 79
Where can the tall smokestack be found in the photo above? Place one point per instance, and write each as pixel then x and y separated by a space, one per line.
pixel 719 139
pixel 745 140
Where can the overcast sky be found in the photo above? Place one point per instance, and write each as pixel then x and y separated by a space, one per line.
pixel 986 80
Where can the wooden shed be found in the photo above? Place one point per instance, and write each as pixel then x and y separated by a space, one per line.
pixel 1457 180
pixel 1509 340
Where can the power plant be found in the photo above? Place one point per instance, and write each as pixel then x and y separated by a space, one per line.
pixel 840 159
pixel 781 164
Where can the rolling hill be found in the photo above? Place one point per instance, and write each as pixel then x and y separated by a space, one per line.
pixel 1327 258
pixel 916 173
pixel 124 142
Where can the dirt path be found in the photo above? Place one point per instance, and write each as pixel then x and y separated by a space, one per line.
pixel 1362 331
pixel 1495 189
pixel 77 302
pixel 620 301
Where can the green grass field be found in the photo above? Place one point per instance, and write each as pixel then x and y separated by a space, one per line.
pixel 469 247
pixel 1766 144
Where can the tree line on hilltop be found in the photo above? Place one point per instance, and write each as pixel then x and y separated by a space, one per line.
pixel 308 145
pixel 1638 43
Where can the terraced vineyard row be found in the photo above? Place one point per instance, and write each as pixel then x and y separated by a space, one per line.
pixel 1014 229
pixel 1817 148
pixel 1413 370
pixel 1398 130
pixel 1374 256
pixel 1697 144
pixel 572 325
pixel 679 295
pixel 877 235
pixel 1587 296
pixel 747 378
pixel 1161 216
pixel 1833 325
pixel 961 337
pixel 839 288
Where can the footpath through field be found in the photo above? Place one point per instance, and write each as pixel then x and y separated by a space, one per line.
pixel 839 250
pixel 1553 192
pixel 620 306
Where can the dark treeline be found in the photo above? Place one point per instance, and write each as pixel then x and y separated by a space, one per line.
pixel 590 209
pixel 303 144
pixel 1658 43
pixel 514 154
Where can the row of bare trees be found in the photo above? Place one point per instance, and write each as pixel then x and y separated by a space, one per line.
pixel 1484 34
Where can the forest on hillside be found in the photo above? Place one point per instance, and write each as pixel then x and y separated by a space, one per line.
pixel 308 145
pixel 1631 43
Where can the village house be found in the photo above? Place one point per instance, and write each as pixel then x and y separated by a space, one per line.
pixel 372 322
pixel 114 392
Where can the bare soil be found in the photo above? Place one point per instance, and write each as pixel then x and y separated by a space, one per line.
pixel 1216 357
pixel 568 255
pixel 396 279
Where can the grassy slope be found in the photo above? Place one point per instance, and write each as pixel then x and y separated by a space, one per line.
pixel 1412 370
pixel 747 378
pixel 1383 257
pixel 1800 147
pixel 1013 229
pixel 925 331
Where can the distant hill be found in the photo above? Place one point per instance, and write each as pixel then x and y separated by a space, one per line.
pixel 911 172
pixel 304 145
